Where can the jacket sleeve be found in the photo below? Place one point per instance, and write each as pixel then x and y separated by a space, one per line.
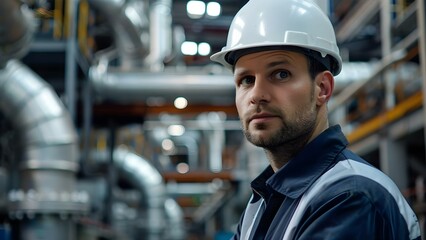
pixel 352 216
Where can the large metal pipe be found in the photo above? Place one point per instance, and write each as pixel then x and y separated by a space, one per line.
pixel 129 22
pixel 15 30
pixel 149 181
pixel 49 154
pixel 160 211
pixel 136 85
pixel 129 84
pixel 142 36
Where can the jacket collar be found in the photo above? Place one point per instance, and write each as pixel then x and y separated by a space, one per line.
pixel 300 173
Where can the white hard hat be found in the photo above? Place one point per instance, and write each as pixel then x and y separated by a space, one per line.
pixel 261 24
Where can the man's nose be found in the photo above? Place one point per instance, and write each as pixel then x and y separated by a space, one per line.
pixel 261 92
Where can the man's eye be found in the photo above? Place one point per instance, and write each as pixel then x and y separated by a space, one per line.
pixel 282 75
pixel 247 81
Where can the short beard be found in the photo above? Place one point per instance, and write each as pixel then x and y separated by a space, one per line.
pixel 292 136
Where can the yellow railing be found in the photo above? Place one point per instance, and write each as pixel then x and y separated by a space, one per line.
pixel 382 120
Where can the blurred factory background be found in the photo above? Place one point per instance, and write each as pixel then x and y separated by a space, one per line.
pixel 114 123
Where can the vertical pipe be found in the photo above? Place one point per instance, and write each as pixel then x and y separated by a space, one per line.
pixel 70 60
pixel 87 123
pixel 160 34
pixel 385 26
pixel 111 177
pixel 421 26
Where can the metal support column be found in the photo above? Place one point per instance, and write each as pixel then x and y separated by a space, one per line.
pixel 393 161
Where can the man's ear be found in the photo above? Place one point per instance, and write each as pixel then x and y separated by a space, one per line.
pixel 325 84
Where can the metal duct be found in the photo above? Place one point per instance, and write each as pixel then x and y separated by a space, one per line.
pixel 49 155
pixel 15 30
pixel 128 86
pixel 130 28
pixel 146 179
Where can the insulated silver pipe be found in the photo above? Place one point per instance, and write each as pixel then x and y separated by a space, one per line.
pixel 128 86
pixel 48 135
pixel 130 25
pixel 160 18
pixel 149 181
pixel 126 83
pixel 15 30
pixel 49 154
pixel 160 211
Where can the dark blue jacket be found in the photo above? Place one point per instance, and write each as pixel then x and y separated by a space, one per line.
pixel 327 192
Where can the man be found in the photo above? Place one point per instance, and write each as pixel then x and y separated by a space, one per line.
pixel 284 57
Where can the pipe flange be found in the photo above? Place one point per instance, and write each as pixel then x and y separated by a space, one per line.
pixel 64 203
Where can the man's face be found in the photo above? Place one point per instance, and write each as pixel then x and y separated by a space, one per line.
pixel 275 98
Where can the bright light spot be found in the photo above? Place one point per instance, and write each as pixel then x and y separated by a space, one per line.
pixel 204 49
pixel 182 168
pixel 262 30
pixel 213 9
pixel 181 103
pixel 195 9
pixel 189 48
pixel 176 130
pixel 167 145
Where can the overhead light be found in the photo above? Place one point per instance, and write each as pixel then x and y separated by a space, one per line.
pixel 182 167
pixel 213 9
pixel 189 48
pixel 195 9
pixel 167 145
pixel 181 103
pixel 176 130
pixel 204 49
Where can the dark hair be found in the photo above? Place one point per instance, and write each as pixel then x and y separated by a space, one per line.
pixel 314 66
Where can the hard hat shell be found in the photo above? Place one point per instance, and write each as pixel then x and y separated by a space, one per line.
pixel 263 23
